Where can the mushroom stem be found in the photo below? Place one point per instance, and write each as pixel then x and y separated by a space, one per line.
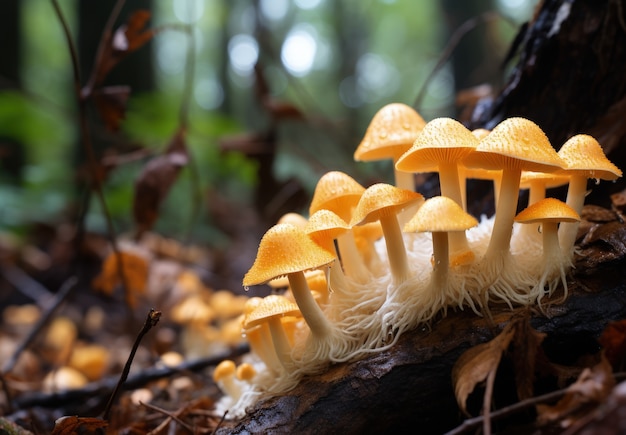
pixel 551 249
pixel 281 342
pixel 576 199
pixel 351 259
pixel 451 187
pixel 259 338
pixel 505 213
pixel 312 313
pixel 396 250
pixel 441 262
pixel 404 180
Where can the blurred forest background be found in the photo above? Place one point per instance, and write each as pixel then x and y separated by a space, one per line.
pixel 278 92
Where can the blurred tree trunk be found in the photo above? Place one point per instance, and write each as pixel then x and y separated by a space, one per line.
pixel 570 78
pixel 10 61
pixel 12 152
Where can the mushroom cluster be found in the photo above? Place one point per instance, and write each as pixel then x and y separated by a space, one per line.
pixel 390 260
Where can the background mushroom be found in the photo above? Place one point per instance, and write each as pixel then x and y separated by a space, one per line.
pixel 382 202
pixel 391 132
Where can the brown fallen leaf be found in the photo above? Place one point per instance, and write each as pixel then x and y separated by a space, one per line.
pixel 135 268
pixel 128 38
pixel 477 363
pixel 526 351
pixel 592 388
pixel 111 104
pixel 613 341
pixel 155 181
pixel 70 425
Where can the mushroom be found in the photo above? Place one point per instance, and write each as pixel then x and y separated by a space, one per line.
pixel 584 159
pixel 323 228
pixel 549 212
pixel 340 193
pixel 382 202
pixel 537 183
pixel 440 216
pixel 224 377
pixel 270 311
pixel 440 146
pixel 514 145
pixel 287 250
pixel 259 337
pixel 391 132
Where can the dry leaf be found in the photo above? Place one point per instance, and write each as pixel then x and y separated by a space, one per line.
pixel 135 269
pixel 477 363
pixel 111 104
pixel 592 387
pixel 155 181
pixel 613 340
pixel 70 425
pixel 127 38
pixel 525 351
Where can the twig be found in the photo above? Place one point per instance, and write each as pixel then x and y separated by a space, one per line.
pixel 106 386
pixel 151 320
pixel 86 139
pixel 59 298
pixel 27 285
pixel 475 422
pixel 170 416
pixel 453 42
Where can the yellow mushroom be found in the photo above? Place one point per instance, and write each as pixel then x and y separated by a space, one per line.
pixel 391 132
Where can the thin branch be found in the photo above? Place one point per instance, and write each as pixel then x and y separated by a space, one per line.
pixel 151 320
pixel 453 42
pixel 170 416
pixel 59 298
pixel 87 144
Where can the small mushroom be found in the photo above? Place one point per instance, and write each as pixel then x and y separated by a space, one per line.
pixel 382 202
pixel 549 212
pixel 584 159
pixel 391 132
pixel 224 377
pixel 259 337
pixel 440 146
pixel 440 216
pixel 340 193
pixel 270 311
pixel 287 250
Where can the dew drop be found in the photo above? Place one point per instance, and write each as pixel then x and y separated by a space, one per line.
pixel 246 288
pixel 382 135
pixel 597 181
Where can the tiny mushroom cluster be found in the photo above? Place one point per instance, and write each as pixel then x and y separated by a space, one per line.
pixel 371 263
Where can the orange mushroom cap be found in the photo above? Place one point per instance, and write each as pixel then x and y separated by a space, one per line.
pixel 440 213
pixel 516 143
pixel 390 133
pixel 442 140
pixel 337 192
pixel 381 200
pixel 271 306
pixel 583 154
pixel 285 249
pixel 547 210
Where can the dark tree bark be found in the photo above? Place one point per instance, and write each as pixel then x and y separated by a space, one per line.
pixel 569 79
